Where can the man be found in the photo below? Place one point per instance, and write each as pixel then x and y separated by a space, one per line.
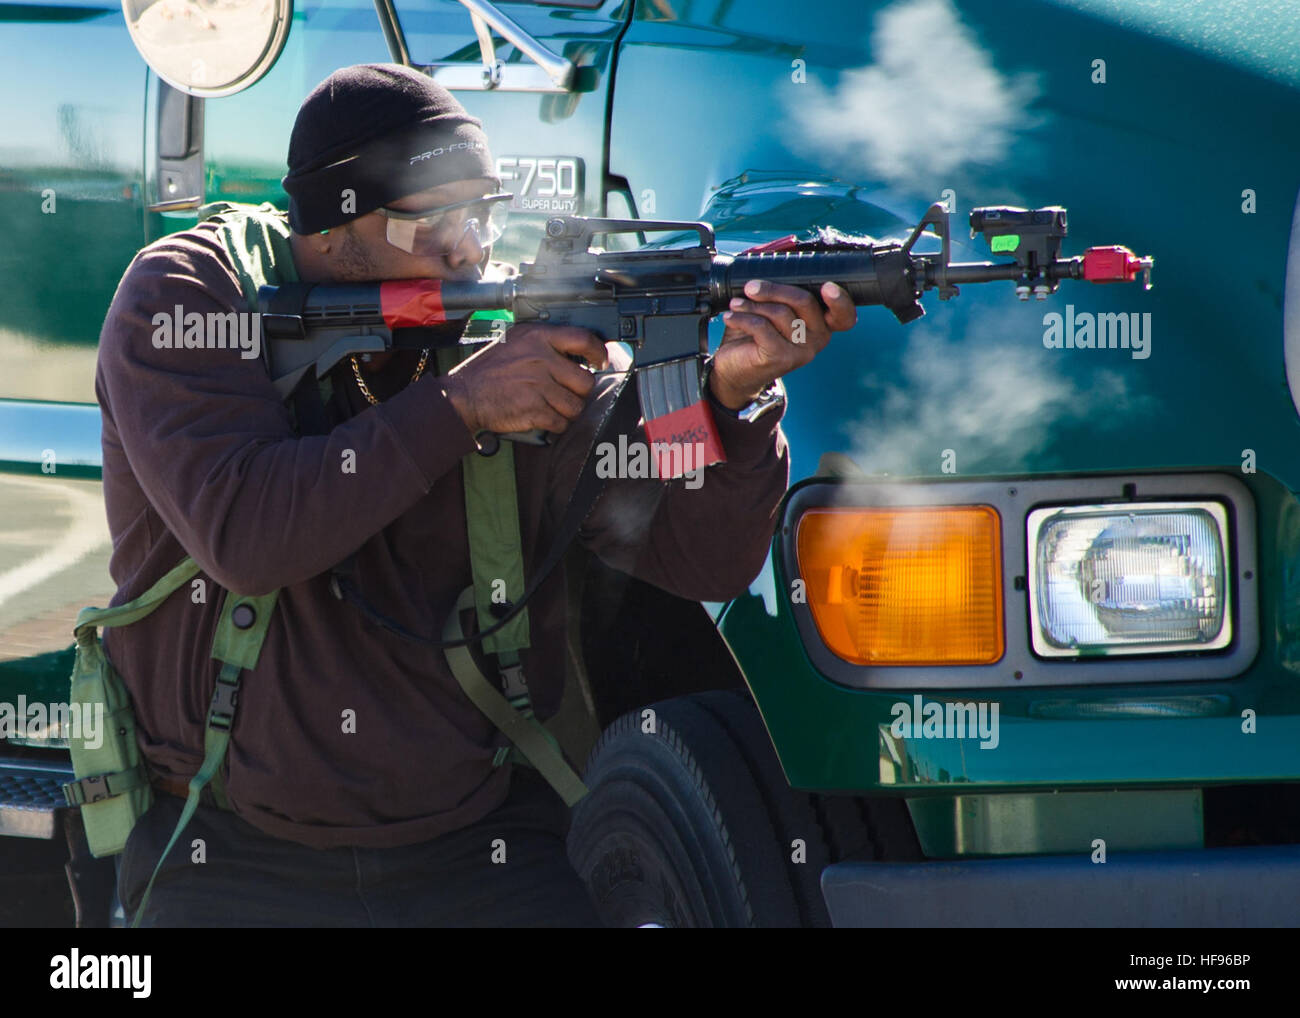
pixel 360 778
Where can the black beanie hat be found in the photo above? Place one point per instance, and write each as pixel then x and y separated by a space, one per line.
pixel 384 131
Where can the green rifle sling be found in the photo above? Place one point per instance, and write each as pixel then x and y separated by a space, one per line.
pixel 497 567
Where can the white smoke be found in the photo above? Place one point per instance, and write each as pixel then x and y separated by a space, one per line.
pixel 930 103
pixel 987 396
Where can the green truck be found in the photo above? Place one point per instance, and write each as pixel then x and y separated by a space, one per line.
pixel 1026 648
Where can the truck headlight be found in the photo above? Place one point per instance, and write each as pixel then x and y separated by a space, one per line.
pixel 1129 578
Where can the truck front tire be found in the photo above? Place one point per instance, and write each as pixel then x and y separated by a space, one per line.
pixel 690 822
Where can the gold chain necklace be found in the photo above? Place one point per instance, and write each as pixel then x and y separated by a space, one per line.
pixel 356 373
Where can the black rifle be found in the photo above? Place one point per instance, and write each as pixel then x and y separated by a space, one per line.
pixel 660 300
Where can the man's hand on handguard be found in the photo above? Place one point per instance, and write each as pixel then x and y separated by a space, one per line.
pixel 765 340
pixel 527 380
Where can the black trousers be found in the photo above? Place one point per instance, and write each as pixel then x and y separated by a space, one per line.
pixel 252 879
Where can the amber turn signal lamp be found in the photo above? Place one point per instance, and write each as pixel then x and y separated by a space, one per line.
pixel 905 586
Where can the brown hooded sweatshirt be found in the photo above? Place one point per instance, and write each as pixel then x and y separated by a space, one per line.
pixel 200 457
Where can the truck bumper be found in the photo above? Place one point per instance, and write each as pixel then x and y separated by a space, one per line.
pixel 1225 887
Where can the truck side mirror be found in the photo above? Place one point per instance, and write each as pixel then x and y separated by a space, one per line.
pixel 209 48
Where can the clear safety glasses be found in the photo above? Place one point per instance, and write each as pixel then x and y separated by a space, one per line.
pixel 441 230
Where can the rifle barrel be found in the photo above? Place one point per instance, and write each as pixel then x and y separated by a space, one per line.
pixel 988 272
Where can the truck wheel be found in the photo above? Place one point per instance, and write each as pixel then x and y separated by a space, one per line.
pixel 690 822
pixel 675 831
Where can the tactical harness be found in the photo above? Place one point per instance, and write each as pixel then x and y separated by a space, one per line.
pixel 112 786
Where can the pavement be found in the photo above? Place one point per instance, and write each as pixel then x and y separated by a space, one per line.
pixel 54 551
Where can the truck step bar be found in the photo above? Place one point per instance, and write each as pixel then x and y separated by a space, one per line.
pixel 31 798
